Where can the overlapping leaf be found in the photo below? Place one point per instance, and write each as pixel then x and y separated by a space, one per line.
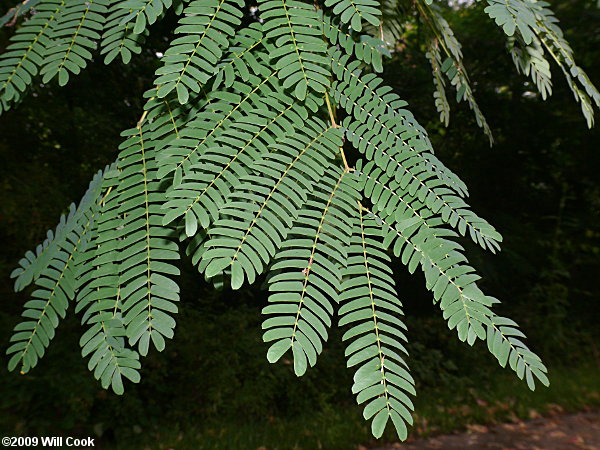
pixel 414 235
pixel 353 12
pixel 203 190
pixel 192 57
pixel 452 67
pixel 14 13
pixel 99 297
pixel 533 22
pixel 531 61
pixel 142 13
pixel 73 36
pixel 148 249
pixel 261 210
pixel 380 113
pixel 118 38
pixel 55 274
pixel 504 342
pixel 365 48
pixel 452 283
pixel 397 145
pixel 300 51
pixel 25 54
pixel 307 272
pixel 439 95
pixel 242 58
pixel 224 106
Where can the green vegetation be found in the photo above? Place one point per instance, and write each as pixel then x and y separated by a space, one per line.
pixel 538 186
pixel 440 410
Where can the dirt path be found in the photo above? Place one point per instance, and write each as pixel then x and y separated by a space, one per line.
pixel 561 432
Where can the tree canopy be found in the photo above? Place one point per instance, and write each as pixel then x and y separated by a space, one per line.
pixel 269 146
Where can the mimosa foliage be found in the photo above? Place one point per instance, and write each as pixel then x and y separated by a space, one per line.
pixel 244 149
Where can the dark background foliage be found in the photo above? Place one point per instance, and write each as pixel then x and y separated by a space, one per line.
pixel 538 185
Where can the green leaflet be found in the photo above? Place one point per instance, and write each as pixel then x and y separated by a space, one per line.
pixel 365 48
pixel 355 11
pixel 375 336
pixel 399 184
pixel 118 38
pixel 18 11
pixel 452 283
pixel 99 297
pixel 503 343
pixel 33 264
pixel 381 112
pixel 142 13
pixel 439 95
pixel 533 23
pixel 263 207
pixel 147 295
pixel 412 173
pixel 55 274
pixel 24 56
pixel 453 68
pixel 73 37
pixel 307 272
pixel 531 61
pixel 513 15
pixel 300 51
pixel 202 191
pixel 242 58
pixel 192 58
pixel 412 236
pixel 223 107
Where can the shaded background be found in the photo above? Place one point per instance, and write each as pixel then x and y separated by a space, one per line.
pixel 212 387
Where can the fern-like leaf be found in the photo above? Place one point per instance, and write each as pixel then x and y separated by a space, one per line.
pixel 376 338
pixel 261 210
pixel 192 58
pixel 307 273
pixel 503 340
pixel 300 51
pixel 118 38
pixel 439 95
pixel 452 67
pixel 25 54
pixel 55 274
pixel 222 108
pixel 99 297
pixel 203 189
pixel 389 191
pixel 73 36
pixel 148 293
pixel 381 114
pixel 11 16
pixel 142 13
pixel 238 156
pixel 530 61
pixel 533 21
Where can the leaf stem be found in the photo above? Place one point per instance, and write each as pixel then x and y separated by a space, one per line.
pixel 331 111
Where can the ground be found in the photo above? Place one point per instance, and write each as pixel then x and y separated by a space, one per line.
pixel 560 432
